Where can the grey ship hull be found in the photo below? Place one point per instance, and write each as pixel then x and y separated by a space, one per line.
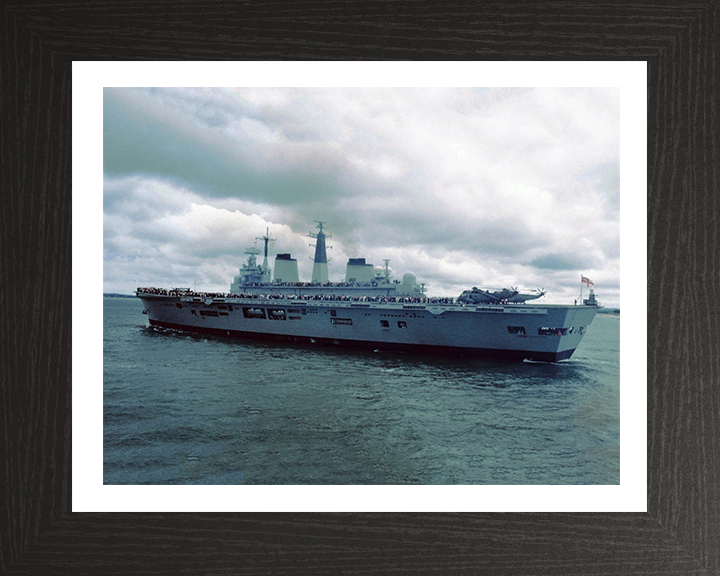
pixel 543 333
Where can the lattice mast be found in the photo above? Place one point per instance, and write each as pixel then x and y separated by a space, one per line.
pixel 265 266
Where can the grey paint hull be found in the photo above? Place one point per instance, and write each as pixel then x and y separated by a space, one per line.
pixel 548 333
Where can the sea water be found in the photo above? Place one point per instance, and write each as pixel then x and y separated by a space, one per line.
pixel 182 408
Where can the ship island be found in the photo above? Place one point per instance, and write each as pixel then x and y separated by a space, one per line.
pixel 372 310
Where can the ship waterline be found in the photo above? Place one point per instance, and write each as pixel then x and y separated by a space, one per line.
pixel 548 332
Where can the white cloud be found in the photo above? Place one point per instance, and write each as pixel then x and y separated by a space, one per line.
pixel 460 186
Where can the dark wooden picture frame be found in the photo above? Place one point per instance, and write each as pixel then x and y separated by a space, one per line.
pixel 681 530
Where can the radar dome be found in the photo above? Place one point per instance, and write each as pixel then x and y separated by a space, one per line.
pixel 409 278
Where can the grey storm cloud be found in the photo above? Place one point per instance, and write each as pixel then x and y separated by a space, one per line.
pixel 563 262
pixel 505 238
pixel 168 144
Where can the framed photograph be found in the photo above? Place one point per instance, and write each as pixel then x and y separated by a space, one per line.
pixel 518 178
pixel 67 513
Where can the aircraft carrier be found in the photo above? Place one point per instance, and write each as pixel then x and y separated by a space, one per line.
pixel 370 310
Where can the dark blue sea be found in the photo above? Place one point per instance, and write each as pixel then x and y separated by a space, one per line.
pixel 192 409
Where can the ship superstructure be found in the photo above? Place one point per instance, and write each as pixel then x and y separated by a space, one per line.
pixel 253 273
pixel 361 277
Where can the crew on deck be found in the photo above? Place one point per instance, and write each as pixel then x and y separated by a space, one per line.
pixel 321 297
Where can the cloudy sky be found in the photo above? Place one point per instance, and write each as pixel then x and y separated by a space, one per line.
pixel 462 187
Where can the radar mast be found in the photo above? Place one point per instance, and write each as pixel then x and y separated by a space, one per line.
pixel 320 267
pixel 266 239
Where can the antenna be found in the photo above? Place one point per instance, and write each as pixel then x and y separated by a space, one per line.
pixel 320 231
pixel 267 239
